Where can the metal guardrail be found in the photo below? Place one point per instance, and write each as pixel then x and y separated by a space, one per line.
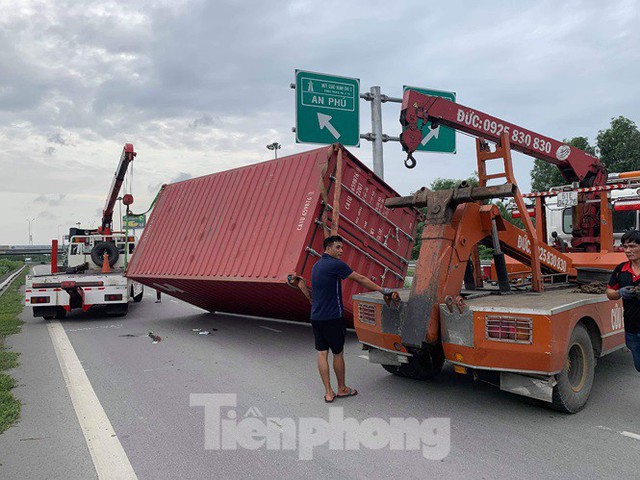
pixel 10 280
pixel 27 249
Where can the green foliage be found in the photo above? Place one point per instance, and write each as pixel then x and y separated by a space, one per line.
pixel 8 360
pixel 506 214
pixel 583 144
pixel 546 175
pixel 448 183
pixel 10 308
pixel 619 145
pixel 485 252
pixel 9 406
pixel 6 382
pixel 415 252
pixel 7 266
pixel 438 184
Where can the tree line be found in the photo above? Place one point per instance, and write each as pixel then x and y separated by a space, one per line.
pixel 617 147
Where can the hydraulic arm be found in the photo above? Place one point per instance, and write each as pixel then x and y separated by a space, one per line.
pixel 574 164
pixel 107 213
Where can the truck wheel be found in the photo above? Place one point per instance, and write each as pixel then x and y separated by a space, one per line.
pixel 48 313
pixel 137 298
pixel 572 391
pixel 394 369
pixel 423 366
pixel 119 310
pixel 60 313
pixel 98 251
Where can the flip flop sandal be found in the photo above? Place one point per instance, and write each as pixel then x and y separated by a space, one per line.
pixel 329 401
pixel 352 393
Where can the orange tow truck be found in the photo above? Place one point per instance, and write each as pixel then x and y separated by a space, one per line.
pixel 541 336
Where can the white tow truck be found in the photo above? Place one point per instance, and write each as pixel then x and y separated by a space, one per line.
pixel 96 262
pixel 83 284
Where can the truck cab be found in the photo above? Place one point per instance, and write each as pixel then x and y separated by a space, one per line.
pixel 86 249
pixel 625 204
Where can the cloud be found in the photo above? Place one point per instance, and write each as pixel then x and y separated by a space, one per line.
pixel 57 138
pixel 203 86
pixel 51 200
pixel 204 121
pixel 48 215
pixel 181 177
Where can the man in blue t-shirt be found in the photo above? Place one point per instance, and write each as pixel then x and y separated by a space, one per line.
pixel 327 313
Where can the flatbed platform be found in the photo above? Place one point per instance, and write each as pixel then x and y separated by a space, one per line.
pixel 550 302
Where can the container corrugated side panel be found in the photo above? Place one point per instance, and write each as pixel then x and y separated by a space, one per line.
pixel 239 224
pixel 227 241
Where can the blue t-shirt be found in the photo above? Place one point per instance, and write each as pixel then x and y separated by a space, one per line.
pixel 326 283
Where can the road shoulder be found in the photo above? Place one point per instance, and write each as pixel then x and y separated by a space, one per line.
pixel 47 441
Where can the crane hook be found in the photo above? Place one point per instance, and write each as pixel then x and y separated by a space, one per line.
pixel 410 162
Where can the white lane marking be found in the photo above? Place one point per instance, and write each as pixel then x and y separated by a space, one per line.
pixel 271 329
pixel 93 328
pixel 366 357
pixel 109 458
pixel 199 309
pixel 174 301
pixel 635 436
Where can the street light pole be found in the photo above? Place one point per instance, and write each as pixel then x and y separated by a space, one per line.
pixel 120 206
pixel 275 146
pixel 30 235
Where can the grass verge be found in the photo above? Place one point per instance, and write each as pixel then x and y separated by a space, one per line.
pixel 10 307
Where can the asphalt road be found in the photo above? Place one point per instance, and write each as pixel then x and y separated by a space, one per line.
pixel 145 389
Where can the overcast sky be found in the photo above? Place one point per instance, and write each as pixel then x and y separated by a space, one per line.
pixel 203 86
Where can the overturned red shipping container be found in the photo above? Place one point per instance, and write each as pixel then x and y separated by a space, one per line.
pixel 228 241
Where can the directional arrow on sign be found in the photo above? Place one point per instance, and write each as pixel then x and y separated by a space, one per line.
pixel 432 134
pixel 325 122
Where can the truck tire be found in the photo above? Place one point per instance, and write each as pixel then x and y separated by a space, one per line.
pixel 423 365
pixel 98 251
pixel 394 369
pixel 117 310
pixel 48 313
pixel 137 298
pixel 574 382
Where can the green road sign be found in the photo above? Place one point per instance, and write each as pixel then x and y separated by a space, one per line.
pixel 327 109
pixel 134 221
pixel 441 139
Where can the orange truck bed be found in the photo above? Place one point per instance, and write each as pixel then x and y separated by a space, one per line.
pixel 524 336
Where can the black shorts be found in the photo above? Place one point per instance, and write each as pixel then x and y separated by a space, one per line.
pixel 329 334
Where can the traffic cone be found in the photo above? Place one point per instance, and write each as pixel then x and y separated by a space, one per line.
pixel 106 268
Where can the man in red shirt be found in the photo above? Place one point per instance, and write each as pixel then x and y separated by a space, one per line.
pixel 625 284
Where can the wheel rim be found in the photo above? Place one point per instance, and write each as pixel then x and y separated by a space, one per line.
pixel 576 373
